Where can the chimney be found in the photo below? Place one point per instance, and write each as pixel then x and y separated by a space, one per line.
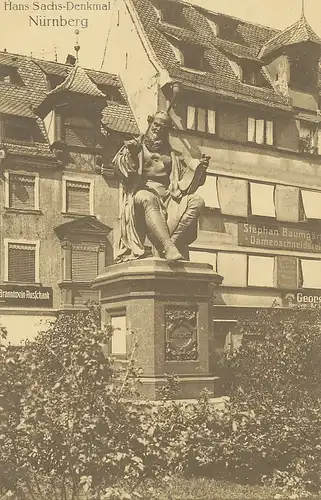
pixel 71 60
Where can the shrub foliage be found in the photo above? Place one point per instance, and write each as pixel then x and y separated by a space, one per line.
pixel 70 422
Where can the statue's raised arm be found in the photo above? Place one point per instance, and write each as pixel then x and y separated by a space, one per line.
pixel 159 200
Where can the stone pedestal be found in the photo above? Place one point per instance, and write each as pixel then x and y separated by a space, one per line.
pixel 168 307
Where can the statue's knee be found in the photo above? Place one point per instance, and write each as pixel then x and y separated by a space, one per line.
pixel 145 198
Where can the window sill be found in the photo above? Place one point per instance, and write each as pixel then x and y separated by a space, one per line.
pixel 200 133
pixel 23 211
pixel 267 147
pixel 21 283
pixel 261 145
pixel 76 214
pixel 76 284
pixel 192 70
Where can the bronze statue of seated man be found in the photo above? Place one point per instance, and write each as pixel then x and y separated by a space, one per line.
pixel 158 195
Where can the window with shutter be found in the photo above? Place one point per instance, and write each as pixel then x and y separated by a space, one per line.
pixel 77 197
pixel 260 131
pixel 191 117
pixel 201 119
pixel 84 263
pixel 22 191
pixel 21 263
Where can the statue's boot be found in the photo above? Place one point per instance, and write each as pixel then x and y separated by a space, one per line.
pixel 159 235
pixel 187 225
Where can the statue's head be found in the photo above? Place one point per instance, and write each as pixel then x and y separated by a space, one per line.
pixel 159 126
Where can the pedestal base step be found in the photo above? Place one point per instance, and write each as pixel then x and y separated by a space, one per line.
pixel 189 387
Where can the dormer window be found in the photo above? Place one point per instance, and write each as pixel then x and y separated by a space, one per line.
pixel 169 12
pixel 10 75
pixel 177 53
pixel 214 27
pixel 236 69
pixel 54 81
pixel 251 76
pixel 193 58
pixel 112 93
pixel 22 129
pixel 227 29
pixel 189 56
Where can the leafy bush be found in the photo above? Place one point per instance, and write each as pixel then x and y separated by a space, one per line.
pixel 63 415
pixel 70 423
pixel 275 406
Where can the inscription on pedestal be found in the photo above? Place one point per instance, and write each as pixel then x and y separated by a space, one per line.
pixel 181 334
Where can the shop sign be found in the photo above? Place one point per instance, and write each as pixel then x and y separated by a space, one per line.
pixel 26 296
pixel 278 237
pixel 300 298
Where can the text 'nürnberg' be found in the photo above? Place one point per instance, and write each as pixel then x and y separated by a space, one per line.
pixel 36 20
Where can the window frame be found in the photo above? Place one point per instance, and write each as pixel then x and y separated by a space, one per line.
pixel 206 109
pixel 301 274
pixel 265 256
pixel 256 215
pixel 314 137
pixel 110 315
pixel 87 180
pixel 92 248
pixel 35 134
pixel 14 241
pixel 265 136
pixel 219 266
pixel 36 178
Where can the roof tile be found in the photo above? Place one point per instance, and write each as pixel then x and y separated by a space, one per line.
pixel 221 80
pixel 21 100
pixel 79 82
pixel 298 32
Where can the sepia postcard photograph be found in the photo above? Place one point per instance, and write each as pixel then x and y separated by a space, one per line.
pixel 160 249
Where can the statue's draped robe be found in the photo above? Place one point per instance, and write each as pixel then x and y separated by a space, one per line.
pixel 129 243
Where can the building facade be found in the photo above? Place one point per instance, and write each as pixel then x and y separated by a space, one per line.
pixel 248 96
pixel 60 125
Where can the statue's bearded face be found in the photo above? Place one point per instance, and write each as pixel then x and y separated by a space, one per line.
pixel 159 130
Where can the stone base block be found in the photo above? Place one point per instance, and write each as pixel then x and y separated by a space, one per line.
pixel 168 307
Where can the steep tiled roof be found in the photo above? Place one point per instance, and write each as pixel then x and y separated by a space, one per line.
pixel 79 82
pixel 220 79
pixel 248 37
pixel 53 68
pixel 101 78
pixel 298 32
pixel 9 59
pixel 14 107
pixel 22 100
pixel 118 117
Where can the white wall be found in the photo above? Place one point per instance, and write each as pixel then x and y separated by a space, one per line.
pixel 24 326
pixel 127 57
